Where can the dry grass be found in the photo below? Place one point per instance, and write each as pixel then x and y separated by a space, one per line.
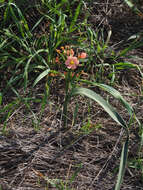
pixel 30 158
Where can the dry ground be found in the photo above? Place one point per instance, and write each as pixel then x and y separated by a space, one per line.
pixel 31 159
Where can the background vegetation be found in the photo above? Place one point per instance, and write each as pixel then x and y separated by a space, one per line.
pixel 65 65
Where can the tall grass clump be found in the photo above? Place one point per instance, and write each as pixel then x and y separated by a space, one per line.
pixel 66 49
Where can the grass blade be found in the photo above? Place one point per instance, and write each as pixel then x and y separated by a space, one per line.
pixel 22 24
pixel 41 76
pixel 118 96
pixel 113 92
pixel 114 115
pixel 77 12
pixel 0 98
pixel 123 161
pixel 107 107
pixel 134 8
pixel 28 63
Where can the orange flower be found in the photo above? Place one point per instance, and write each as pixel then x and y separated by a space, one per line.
pixel 69 52
pixel 57 60
pixel 82 55
pixel 73 74
pixel 62 48
pixel 53 74
pixel 65 73
pixel 58 51
pixel 72 62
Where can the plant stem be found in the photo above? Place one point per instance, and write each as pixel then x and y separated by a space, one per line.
pixel 67 97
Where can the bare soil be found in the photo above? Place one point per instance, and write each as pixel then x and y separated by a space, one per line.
pixel 38 157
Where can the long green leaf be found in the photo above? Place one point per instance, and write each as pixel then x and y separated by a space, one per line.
pixel 118 96
pixel 123 161
pixel 107 107
pixel 114 115
pixel 23 23
pixel 0 98
pixel 124 65
pixel 77 12
pixel 113 92
pixel 28 63
pixel 134 45
pixel 41 76
pixel 134 8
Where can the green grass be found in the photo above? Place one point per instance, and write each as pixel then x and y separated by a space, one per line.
pixel 27 59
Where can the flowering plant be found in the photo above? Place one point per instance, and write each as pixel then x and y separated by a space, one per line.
pixel 71 72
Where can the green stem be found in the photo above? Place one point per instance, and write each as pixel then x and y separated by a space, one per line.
pixel 65 110
pixel 67 97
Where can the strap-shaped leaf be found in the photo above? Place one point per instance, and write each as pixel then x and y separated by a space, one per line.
pixel 114 115
pixel 0 98
pixel 41 76
pixel 118 96
pixel 107 107
pixel 114 93
pixel 123 161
